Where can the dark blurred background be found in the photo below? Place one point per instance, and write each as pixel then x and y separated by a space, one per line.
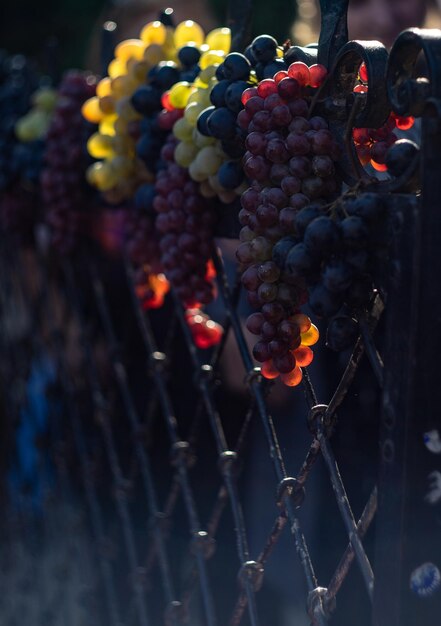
pixel 26 26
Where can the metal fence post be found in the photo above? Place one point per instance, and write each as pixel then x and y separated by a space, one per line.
pixel 408 552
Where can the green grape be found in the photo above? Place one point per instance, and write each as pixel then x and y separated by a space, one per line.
pixel 102 175
pixel 208 161
pixel 209 72
pixel 182 130
pixel 192 112
pixel 185 153
pixel 195 172
pixel 201 141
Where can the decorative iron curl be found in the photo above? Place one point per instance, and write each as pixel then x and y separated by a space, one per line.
pixel 408 93
pixel 346 109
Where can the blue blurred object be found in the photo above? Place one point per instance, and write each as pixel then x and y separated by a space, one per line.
pixel 32 473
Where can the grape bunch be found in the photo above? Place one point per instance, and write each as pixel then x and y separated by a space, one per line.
pixel 162 99
pixel 372 144
pixel 222 120
pixel 210 141
pixel 18 165
pixel 118 172
pixel 186 223
pixel 141 240
pixel 338 255
pixel 290 162
pixel 35 123
pixel 68 199
pixel 140 74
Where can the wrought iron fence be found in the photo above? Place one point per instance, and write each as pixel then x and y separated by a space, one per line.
pixel 137 453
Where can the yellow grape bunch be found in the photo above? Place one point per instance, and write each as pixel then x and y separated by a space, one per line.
pixel 35 124
pixel 119 171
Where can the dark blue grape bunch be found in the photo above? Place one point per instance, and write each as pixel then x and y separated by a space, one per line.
pixel 338 253
pixel 222 120
pixel 18 168
pixel 156 123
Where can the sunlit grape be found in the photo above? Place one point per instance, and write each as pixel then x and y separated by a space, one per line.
pixel 154 33
pixel 188 31
pixel 104 87
pixel 179 94
pixel 91 110
pixel 219 39
pixel 311 336
pixel 210 58
pixel 192 112
pixel 107 124
pixel 100 146
pixel 129 49
pixel 117 67
pixel 293 378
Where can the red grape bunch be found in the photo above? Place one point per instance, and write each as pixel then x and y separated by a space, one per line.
pixel 68 199
pixel 142 249
pixel 290 161
pixel 185 222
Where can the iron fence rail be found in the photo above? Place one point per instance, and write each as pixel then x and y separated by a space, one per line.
pixel 404 390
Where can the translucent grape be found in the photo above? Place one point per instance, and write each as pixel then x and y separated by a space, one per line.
pixel 117 67
pixel 210 58
pixel 404 123
pixel 303 356
pixel 154 33
pixel 317 74
pixel 182 130
pixel 300 72
pixel 268 370
pixel 302 321
pixel 363 73
pixel 107 124
pixel 219 39
pixel 188 31
pixel 185 153
pixel 91 110
pixel 208 160
pixel 103 176
pixel 104 87
pixel 179 94
pixel 311 336
pixel 100 146
pixel 192 112
pixel 380 167
pixel 130 49
pixel 293 378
